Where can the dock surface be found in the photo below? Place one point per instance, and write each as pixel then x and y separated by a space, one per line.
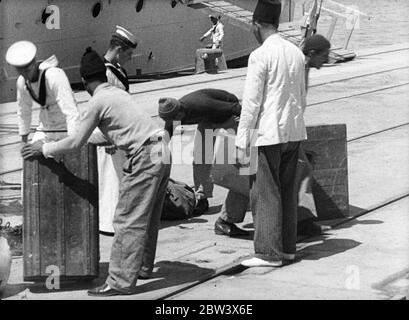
pixel 364 256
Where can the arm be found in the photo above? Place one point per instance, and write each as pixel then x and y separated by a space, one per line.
pixel 252 98
pixel 60 87
pixel 307 72
pixel 304 87
pixel 169 128
pixel 208 33
pixel 24 114
pixel 97 137
pixel 75 141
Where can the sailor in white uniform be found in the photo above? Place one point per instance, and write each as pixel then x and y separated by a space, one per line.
pixel 120 51
pixel 110 160
pixel 48 86
pixel 216 32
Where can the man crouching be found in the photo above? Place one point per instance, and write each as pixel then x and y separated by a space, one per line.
pixel 145 173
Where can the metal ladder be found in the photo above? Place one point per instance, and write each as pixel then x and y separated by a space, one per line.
pixel 241 18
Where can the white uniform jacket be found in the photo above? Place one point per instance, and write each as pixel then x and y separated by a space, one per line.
pixel 217 33
pixel 274 97
pixel 60 112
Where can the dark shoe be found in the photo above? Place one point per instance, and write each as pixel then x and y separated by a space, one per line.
pixel 201 207
pixel 225 228
pixel 289 256
pixel 104 291
pixel 311 228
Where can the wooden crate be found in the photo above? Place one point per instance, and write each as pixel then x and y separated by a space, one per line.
pixel 326 148
pixel 60 227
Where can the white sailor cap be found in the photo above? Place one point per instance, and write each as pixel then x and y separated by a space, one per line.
pixel 21 53
pixel 128 37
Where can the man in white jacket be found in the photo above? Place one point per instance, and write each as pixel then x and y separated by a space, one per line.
pixel 272 119
pixel 48 86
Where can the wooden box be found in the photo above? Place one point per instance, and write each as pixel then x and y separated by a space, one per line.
pixel 60 226
pixel 326 149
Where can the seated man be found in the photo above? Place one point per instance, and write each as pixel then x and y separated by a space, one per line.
pixel 210 109
pixel 217 33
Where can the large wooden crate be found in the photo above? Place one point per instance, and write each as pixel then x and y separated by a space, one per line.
pixel 60 227
pixel 326 149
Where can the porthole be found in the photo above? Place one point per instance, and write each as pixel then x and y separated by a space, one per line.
pixel 96 9
pixel 45 15
pixel 139 5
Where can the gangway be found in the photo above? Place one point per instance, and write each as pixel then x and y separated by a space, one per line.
pixel 291 31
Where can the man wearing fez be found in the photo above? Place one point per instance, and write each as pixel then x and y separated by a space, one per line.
pixel 46 84
pixel 210 109
pixel 110 160
pixel 272 120
pixel 145 173
pixel 316 50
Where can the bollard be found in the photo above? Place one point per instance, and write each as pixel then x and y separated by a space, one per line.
pixel 206 60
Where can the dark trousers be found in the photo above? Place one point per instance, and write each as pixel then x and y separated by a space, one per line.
pixel 273 199
pixel 235 206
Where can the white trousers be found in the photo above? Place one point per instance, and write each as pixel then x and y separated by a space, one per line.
pixel 108 189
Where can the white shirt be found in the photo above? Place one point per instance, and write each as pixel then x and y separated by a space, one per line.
pixel 118 116
pixel 60 112
pixel 274 97
pixel 112 79
pixel 217 32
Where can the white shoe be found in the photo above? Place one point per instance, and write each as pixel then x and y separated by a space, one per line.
pixel 257 262
pixel 288 256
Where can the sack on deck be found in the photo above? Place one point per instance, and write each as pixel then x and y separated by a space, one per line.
pixel 180 201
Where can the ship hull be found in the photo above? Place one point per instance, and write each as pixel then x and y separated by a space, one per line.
pixel 168 37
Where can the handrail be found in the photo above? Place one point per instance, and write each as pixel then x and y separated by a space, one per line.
pixel 349 8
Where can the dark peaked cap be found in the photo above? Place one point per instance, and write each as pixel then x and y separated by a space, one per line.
pixel 91 64
pixel 267 11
